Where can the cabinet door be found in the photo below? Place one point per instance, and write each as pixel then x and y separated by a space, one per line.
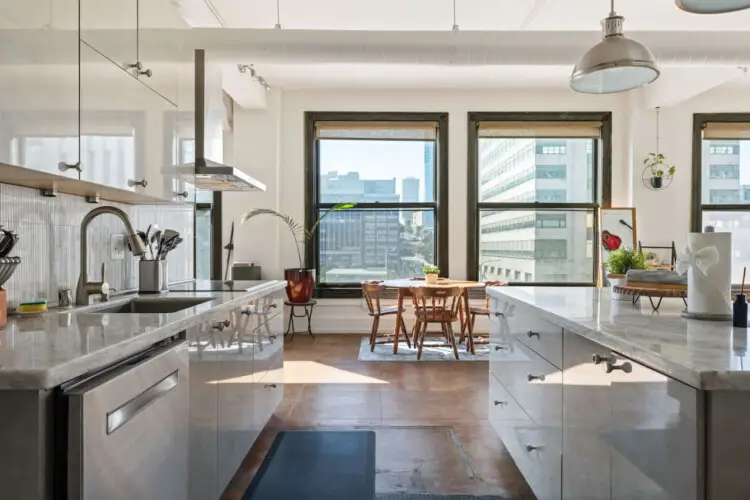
pixel 158 47
pixel 235 399
pixel 204 372
pixel 110 121
pixel 654 435
pixel 269 359
pixel 111 28
pixel 587 420
pixel 39 91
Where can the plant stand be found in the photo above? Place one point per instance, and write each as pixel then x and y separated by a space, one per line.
pixel 308 310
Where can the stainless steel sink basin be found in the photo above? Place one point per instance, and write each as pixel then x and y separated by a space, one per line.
pixel 155 305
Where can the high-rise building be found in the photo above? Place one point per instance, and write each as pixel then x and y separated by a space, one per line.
pixel 409 194
pixel 540 246
pixel 429 182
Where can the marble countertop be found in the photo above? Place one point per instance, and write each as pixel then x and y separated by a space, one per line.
pixel 60 345
pixel 703 354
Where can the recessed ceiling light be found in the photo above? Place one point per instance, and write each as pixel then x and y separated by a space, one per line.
pixel 712 6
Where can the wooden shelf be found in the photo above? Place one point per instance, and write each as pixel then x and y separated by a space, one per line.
pixel 20 176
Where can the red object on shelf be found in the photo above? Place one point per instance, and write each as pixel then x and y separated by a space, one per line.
pixel 611 241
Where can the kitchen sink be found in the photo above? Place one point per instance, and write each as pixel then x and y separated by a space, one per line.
pixel 155 305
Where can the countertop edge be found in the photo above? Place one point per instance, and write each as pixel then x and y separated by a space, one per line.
pixel 46 379
pixel 702 380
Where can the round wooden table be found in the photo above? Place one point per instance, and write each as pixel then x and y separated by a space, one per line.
pixel 404 284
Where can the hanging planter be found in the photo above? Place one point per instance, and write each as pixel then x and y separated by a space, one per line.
pixel 658 173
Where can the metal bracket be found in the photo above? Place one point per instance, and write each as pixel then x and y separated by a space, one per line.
pixel 92 198
pixel 49 192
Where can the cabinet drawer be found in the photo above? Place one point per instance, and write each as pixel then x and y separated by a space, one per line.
pixel 532 381
pixel 539 335
pixel 502 407
pixel 536 452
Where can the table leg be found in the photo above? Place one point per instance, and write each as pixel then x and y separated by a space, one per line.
pixel 399 319
pixel 469 326
pixel 461 318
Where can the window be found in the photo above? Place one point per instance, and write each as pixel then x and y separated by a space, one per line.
pixel 529 214
pixel 724 171
pixel 391 165
pixel 722 185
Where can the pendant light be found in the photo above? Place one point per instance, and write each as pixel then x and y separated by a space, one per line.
pixel 712 6
pixel 615 64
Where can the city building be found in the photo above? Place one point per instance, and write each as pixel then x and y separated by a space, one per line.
pixel 530 245
pixel 409 193
pixel 429 181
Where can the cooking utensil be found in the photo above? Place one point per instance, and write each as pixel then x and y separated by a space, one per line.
pixel 8 266
pixel 165 246
pixel 10 242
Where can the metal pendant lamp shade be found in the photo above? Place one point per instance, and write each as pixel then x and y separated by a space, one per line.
pixel 615 64
pixel 712 6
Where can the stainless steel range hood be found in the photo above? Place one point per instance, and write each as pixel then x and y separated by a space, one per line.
pixel 203 172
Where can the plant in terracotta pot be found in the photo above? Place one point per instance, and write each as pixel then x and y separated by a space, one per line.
pixel 299 280
pixel 659 169
pixel 619 262
pixel 431 274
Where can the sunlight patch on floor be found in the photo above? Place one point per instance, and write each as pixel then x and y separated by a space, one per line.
pixel 305 372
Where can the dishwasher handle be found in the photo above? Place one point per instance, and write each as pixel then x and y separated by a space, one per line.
pixel 120 416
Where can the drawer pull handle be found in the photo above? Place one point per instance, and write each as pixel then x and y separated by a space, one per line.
pixel 625 367
pixel 499 403
pixel 499 315
pixel 220 325
pixel 597 359
pixel 533 334
pixel 124 413
pixel 270 386
pixel 501 347
pixel 135 182
pixel 531 447
pixel 531 377
pixel 182 194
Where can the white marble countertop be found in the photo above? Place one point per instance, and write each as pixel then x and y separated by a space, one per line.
pixel 703 354
pixel 44 352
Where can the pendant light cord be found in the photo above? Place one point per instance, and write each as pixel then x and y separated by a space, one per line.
pixel 278 15
pixel 455 24
pixel 612 7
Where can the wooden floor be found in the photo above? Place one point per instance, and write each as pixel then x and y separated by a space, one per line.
pixel 430 419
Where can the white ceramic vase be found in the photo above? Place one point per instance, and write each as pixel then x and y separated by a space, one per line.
pixel 617 280
pixel 431 278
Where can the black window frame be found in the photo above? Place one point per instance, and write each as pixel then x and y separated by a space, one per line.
pixel 312 190
pixel 602 172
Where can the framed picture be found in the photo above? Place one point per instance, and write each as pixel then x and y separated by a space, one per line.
pixel 618 230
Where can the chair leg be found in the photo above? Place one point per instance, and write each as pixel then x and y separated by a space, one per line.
pixel 422 335
pixel 374 333
pixel 403 329
pixel 415 332
pixel 449 327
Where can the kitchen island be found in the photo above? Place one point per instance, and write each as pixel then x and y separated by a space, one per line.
pixel 170 391
pixel 596 398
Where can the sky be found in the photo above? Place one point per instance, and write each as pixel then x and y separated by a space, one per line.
pixel 374 159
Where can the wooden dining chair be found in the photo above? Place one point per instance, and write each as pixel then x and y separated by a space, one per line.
pixel 479 311
pixel 372 292
pixel 436 306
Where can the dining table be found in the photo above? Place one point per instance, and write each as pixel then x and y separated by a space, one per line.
pixel 403 286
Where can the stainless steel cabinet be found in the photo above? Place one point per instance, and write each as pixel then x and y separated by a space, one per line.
pixel 204 374
pixel 111 28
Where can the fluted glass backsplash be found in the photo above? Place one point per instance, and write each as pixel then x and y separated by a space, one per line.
pixel 50 231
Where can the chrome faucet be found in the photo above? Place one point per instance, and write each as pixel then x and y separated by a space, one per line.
pixel 101 288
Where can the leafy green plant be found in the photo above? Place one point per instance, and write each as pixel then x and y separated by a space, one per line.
pixel 301 234
pixel 620 261
pixel 430 269
pixel 657 162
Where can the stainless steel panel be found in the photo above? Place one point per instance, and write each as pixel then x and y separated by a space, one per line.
pixel 146 456
pixel 127 411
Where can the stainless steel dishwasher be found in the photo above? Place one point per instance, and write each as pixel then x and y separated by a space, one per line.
pixel 127 428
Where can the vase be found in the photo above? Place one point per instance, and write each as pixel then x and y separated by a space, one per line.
pixel 617 280
pixel 657 182
pixel 299 284
pixel 431 278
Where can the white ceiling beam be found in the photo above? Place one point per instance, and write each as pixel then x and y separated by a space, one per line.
pixel 679 84
pixel 242 88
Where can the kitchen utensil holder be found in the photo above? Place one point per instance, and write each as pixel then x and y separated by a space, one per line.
pixel 8 266
pixel 152 276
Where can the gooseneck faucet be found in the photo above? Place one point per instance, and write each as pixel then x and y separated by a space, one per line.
pixel 86 288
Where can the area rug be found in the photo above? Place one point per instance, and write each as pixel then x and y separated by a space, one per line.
pixel 427 496
pixel 384 352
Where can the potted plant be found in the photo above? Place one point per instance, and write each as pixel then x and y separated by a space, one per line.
pixel 299 280
pixel 431 274
pixel 659 169
pixel 619 262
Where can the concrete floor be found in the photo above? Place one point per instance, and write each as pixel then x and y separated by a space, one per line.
pixel 430 419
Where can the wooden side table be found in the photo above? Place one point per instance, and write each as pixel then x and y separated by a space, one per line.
pixel 308 311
